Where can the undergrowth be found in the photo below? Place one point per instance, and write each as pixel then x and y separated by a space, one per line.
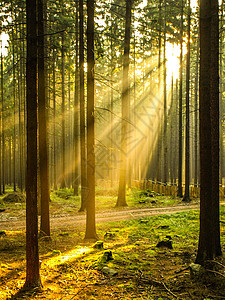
pixel 73 269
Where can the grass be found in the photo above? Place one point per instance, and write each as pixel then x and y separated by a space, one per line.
pixel 73 269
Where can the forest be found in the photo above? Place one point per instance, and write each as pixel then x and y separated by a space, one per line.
pixel 112 175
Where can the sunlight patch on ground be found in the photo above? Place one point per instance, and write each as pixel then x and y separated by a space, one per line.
pixel 67 257
pixel 14 233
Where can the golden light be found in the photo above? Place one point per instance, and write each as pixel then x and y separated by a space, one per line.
pixel 173 64
pixel 194 3
pixel 4 37
pixel 69 256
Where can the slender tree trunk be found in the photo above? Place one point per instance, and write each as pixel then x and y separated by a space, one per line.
pixel 186 197
pixel 54 119
pixel 221 66
pixel 165 167
pixel 10 161
pixel 196 120
pixel 1 147
pixel 180 164
pixel 63 156
pixel 111 106
pixel 172 139
pixel 32 256
pixel 76 107
pixel 134 114
pixel 175 164
pixel 14 113
pixel 2 124
pixel 20 133
pixel 83 160
pixel 42 117
pixel 21 91
pixel 68 147
pixel 23 97
pixel 90 205
pixel 121 200
pixel 158 175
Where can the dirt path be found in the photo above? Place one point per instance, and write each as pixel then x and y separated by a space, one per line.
pixel 65 221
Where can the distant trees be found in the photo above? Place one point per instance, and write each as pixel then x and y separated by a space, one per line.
pixel 63 65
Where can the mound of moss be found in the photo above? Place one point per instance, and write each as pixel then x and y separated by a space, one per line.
pixel 14 197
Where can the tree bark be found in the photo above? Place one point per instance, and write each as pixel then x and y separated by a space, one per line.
pixel 209 237
pixel 83 160
pixel 76 107
pixel 186 197
pixel 180 188
pixel 121 199
pixel 90 205
pixel 63 155
pixel 14 113
pixel 32 255
pixel 42 117
pixel 158 175
pixel 165 167
pixel 196 121
pixel 214 114
pixel 54 118
pixel 3 127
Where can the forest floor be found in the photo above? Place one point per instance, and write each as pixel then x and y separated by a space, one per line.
pixel 72 268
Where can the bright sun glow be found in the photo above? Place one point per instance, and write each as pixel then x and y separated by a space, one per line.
pixel 194 3
pixel 4 37
pixel 173 64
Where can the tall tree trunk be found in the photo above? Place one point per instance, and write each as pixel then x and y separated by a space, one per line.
pixel 54 119
pixel 209 237
pixel 14 113
pixel 42 117
pixel 32 256
pixel 221 66
pixel 111 106
pixel 20 127
pixel 172 131
pixel 83 160
pixel 63 156
pixel 134 114
pixel 69 148
pixel 175 164
pixel 90 205
pixel 180 164
pixel 2 124
pixel 196 120
pixel 186 197
pixel 121 200
pixel 76 106
pixel 214 114
pixel 165 167
pixel 158 175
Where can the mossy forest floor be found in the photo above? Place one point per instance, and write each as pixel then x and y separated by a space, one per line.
pixel 74 269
